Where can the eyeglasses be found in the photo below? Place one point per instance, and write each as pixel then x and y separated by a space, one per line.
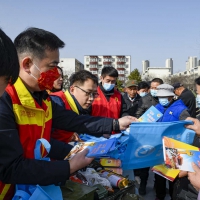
pixel 90 94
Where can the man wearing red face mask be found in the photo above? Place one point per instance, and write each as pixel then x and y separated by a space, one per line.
pixel 27 114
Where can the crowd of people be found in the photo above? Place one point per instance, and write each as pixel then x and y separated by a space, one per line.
pixel 33 105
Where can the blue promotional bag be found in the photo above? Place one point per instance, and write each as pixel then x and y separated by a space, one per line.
pixel 37 192
pixel 144 146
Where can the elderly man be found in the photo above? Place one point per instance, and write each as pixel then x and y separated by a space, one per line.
pixel 173 110
pixel 131 97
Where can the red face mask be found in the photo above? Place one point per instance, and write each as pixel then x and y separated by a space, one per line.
pixel 46 79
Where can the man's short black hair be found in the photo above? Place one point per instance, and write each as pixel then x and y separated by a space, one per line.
pixel 143 85
pixel 197 81
pixel 109 71
pixel 36 41
pixel 157 80
pixel 9 63
pixel 81 76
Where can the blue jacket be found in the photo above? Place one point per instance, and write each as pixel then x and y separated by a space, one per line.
pixel 171 113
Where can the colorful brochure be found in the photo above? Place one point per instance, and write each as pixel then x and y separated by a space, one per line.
pixel 165 172
pixel 151 115
pixel 179 155
pixel 96 149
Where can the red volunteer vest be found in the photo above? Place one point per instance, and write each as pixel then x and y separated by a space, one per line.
pixel 33 122
pixel 61 135
pixel 104 108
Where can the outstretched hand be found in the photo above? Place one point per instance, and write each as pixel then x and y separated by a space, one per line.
pixel 195 127
pixel 124 122
pixel 195 176
pixel 79 161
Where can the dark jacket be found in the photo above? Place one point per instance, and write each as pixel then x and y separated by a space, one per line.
pixel 145 103
pixel 131 105
pixel 14 168
pixel 189 100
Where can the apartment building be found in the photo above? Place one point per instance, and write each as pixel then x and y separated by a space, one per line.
pixel 95 63
pixel 70 65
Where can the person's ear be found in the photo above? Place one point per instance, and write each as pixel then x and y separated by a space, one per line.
pixel 26 64
pixel 71 89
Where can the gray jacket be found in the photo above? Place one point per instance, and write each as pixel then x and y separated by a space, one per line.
pixel 145 103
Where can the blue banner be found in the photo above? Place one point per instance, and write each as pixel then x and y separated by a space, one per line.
pixel 144 146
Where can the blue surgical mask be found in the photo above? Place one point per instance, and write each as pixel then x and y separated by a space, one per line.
pixel 108 86
pixel 153 92
pixel 164 101
pixel 198 100
pixel 142 94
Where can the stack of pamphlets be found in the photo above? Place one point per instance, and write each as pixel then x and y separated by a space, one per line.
pixel 96 149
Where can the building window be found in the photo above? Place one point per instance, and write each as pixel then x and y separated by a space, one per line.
pixel 121 78
pixel 121 72
pixel 87 66
pixel 87 59
pixel 126 59
pixel 99 59
pixel 113 60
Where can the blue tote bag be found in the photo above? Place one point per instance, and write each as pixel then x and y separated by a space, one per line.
pixel 37 192
pixel 144 146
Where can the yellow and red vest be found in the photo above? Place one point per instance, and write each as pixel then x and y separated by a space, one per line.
pixel 103 108
pixel 64 136
pixel 33 122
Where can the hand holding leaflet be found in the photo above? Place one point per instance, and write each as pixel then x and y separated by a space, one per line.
pixel 95 149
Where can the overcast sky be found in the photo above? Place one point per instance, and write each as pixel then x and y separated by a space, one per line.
pixel 151 30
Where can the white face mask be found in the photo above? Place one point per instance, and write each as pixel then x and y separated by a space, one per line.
pixel 142 94
pixel 153 92
pixel 108 86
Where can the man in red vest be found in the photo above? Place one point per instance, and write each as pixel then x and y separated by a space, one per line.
pixel 27 114
pixel 79 98
pixel 109 103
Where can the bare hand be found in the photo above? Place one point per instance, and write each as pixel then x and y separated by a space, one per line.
pixel 124 122
pixel 195 127
pixel 195 176
pixel 79 161
pixel 182 174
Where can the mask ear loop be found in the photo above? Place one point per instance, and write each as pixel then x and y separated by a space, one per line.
pixel 37 69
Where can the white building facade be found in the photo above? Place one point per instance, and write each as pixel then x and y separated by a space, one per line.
pixel 70 65
pixel 192 68
pixel 122 63
pixel 157 72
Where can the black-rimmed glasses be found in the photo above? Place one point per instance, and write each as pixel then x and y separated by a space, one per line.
pixel 90 94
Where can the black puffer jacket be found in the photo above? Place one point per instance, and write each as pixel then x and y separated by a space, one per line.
pixel 145 103
pixel 131 105
pixel 189 100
